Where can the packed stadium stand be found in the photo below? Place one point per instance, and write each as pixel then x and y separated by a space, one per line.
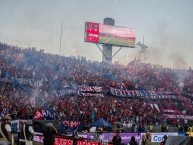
pixel 75 88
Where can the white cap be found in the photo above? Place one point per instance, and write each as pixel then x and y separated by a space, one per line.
pixel 30 122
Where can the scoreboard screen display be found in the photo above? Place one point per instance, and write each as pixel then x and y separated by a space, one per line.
pixel 107 34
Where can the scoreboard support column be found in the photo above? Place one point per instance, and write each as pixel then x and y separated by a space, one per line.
pixel 107 48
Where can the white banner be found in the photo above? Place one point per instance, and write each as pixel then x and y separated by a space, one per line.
pixel 38 137
pixel 179 116
pixel 158 137
pixel 85 88
pixel 16 125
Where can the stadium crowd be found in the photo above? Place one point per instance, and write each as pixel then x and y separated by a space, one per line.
pixel 30 79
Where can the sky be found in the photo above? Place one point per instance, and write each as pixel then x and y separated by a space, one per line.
pixel 164 25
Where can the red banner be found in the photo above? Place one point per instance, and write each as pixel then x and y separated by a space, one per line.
pixel 62 141
pixel 40 114
pixel 84 142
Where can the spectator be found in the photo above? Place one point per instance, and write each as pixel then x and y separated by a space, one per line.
pixel 27 134
pixel 34 78
pixel 66 128
pixel 96 136
pixel 75 136
pixel 133 142
pixel 5 131
pixel 116 139
pixel 143 140
pixel 143 128
pixel 139 128
pixel 151 127
pixel 48 134
pixel 164 141
pixel 124 126
pixel 190 128
pixel 147 138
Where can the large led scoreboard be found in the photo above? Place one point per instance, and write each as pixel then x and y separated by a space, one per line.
pixel 107 34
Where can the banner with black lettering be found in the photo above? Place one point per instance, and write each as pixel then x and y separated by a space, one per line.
pixel 162 97
pixel 86 91
pixel 93 89
pixel 64 92
pixel 187 117
pixel 92 95
pixel 140 93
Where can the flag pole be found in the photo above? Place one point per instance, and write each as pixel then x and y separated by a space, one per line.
pixel 61 38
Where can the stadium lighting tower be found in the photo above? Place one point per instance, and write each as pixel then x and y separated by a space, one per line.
pixel 143 50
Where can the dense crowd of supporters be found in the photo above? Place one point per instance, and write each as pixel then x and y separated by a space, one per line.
pixel 49 73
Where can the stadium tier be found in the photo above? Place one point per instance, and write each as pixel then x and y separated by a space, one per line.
pixel 40 86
